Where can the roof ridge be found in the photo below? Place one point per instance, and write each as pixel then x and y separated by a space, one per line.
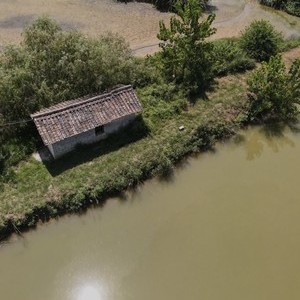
pixel 80 102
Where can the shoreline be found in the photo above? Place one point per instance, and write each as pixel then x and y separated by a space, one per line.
pixel 45 213
pixel 192 140
pixel 124 161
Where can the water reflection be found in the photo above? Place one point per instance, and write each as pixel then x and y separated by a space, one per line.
pixel 224 222
pixel 89 291
pixel 274 136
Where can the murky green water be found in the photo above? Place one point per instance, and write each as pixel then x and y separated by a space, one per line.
pixel 226 226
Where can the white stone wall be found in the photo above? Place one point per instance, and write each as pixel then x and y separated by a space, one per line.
pixel 61 148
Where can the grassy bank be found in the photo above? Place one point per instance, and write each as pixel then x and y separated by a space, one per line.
pixel 88 177
pixel 152 146
pixel 167 84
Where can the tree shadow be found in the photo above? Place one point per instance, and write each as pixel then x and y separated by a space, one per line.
pixel 272 135
pixel 86 153
pixel 211 8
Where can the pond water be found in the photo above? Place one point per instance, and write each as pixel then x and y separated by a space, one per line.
pixel 225 226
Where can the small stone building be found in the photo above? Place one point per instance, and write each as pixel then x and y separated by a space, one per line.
pixel 86 120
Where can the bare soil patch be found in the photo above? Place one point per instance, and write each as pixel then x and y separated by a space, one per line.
pixel 291 55
pixel 138 23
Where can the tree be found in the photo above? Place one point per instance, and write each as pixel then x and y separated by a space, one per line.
pixel 185 51
pixel 273 92
pixel 54 65
pixel 260 40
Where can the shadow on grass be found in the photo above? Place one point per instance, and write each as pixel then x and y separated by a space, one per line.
pixel 85 153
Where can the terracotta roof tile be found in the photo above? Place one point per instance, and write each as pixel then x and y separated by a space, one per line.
pixel 73 117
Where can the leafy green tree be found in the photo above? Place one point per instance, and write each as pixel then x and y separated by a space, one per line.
pixel 261 41
pixel 273 92
pixel 51 66
pixel 185 50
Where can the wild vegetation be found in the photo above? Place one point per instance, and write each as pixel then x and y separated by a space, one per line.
pixel 168 5
pixel 229 57
pixel 274 92
pixel 185 51
pixel 180 85
pixel 290 6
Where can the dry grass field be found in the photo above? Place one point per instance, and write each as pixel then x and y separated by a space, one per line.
pixel 136 22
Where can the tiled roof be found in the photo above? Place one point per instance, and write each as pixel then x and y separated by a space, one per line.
pixel 73 117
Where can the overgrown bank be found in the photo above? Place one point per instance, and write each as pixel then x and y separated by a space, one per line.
pixel 179 87
pixel 116 165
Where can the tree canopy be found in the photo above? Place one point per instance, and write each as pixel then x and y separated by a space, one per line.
pixel 186 53
pixel 52 66
pixel 274 91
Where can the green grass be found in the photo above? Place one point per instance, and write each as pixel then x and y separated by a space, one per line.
pixel 88 176
pixel 291 44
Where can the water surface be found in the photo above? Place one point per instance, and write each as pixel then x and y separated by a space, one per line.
pixel 225 226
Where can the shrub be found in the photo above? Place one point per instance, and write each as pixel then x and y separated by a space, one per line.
pixel 290 6
pixel 261 41
pixel 229 58
pixel 273 91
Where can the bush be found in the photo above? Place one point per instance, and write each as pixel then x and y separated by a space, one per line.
pixel 293 8
pixel 273 91
pixel 290 6
pixel 167 5
pixel 229 58
pixel 261 41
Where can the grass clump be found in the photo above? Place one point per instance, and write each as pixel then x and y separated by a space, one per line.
pixel 291 44
pixel 230 58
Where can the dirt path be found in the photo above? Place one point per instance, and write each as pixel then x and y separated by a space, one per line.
pixel 291 55
pixel 138 23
